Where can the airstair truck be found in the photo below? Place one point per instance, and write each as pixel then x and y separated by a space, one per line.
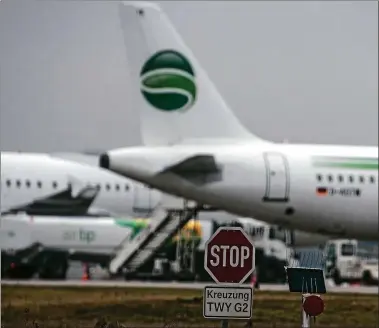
pixel 346 262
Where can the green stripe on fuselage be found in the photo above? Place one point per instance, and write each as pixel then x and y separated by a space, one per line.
pixel 354 163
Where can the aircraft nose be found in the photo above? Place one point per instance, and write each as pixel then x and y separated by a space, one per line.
pixel 104 161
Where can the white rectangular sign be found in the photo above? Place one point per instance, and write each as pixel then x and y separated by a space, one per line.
pixel 228 302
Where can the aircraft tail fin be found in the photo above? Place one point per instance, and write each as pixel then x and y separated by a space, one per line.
pixel 178 103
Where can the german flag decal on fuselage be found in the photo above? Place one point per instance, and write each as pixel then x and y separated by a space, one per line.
pixel 322 191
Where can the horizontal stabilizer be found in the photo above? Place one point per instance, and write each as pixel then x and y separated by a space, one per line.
pixel 62 203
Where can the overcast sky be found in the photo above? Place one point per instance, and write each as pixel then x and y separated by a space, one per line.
pixel 303 71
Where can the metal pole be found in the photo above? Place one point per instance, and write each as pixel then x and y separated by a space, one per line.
pixel 305 317
pixel 178 247
pixel 225 323
pixel 194 243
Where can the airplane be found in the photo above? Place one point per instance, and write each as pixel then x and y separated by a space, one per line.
pixel 46 196
pixel 41 184
pixel 194 147
pixel 56 189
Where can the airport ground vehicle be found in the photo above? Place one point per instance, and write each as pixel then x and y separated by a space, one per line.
pixel 44 245
pixel 345 261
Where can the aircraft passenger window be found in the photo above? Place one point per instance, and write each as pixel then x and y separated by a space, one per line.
pixel 340 178
pixel 55 184
pixel 351 178
pixel 108 186
pixel 117 187
pixel 372 179
pixel 9 183
pixel 362 179
pixel 39 184
pixel 98 186
pixel 18 183
pixel 319 177
pixel 27 183
pixel 330 178
pixel 126 187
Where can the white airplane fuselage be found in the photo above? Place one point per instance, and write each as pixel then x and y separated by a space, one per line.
pixel 26 177
pixel 322 189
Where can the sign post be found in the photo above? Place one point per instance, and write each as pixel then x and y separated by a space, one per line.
pixel 310 282
pixel 229 260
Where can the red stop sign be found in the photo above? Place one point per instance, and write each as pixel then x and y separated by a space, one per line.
pixel 229 256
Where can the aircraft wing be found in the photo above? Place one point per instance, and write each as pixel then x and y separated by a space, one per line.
pixel 198 168
pixel 64 203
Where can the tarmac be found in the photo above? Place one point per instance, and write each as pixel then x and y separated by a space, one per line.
pixel 174 285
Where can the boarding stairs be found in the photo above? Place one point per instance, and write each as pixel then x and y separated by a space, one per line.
pixel 166 222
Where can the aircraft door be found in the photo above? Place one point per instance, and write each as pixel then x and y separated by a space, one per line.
pixel 142 202
pixel 277 178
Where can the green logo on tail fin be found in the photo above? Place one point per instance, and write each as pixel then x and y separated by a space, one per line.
pixel 168 81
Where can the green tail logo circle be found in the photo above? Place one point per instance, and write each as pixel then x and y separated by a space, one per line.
pixel 168 81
